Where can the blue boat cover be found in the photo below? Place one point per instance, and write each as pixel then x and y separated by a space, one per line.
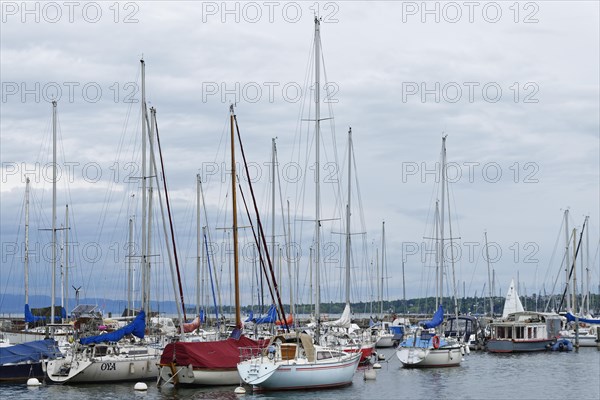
pixel 270 318
pixel 437 319
pixel 571 317
pixel 137 328
pixel 29 352
pixel 30 318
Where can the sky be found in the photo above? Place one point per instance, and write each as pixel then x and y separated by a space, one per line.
pixel 513 86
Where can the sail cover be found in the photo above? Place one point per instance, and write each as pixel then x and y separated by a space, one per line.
pixel 571 317
pixel 437 319
pixel 137 328
pixel 270 318
pixel 216 354
pixel 345 320
pixel 31 352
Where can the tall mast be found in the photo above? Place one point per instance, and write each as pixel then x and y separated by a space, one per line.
pixel 437 253
pixel 487 255
pixel 587 269
pixel 130 268
pixel 53 211
pixel 567 258
pixel 67 260
pixel 198 245
pixel 144 194
pixel 382 267
pixel 273 199
pixel 151 174
pixel 238 319
pixel 26 262
pixel 317 172
pixel 443 178
pixel 348 216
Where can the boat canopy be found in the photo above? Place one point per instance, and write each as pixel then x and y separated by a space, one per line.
pixel 137 328
pixel 31 352
pixel 215 354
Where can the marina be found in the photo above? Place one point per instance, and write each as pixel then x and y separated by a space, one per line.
pixel 481 375
pixel 243 200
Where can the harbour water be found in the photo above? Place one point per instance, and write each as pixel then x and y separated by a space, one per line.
pixel 544 376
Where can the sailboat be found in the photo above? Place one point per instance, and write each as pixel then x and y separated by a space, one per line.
pixel 522 331
pixel 294 361
pixel 39 327
pixel 211 363
pixel 427 346
pixel 343 332
pixel 117 356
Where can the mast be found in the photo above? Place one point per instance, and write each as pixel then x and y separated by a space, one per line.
pixel 130 268
pixel 567 258
pixel 437 253
pixel 67 260
pixel 238 319
pixel 348 242
pixel 53 211
pixel 26 262
pixel 198 245
pixel 587 269
pixel 443 177
pixel 273 199
pixel 317 174
pixel 382 267
pixel 487 255
pixel 150 189
pixel 144 194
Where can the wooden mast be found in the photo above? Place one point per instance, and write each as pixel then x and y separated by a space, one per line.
pixel 238 319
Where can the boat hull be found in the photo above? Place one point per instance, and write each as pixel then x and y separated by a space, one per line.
pixel 419 357
pixel 292 375
pixel 518 346
pixel 190 376
pixel 18 373
pixel 103 369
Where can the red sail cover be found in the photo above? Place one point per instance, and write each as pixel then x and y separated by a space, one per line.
pixel 217 354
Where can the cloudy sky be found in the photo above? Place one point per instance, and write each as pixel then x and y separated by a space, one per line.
pixel 514 86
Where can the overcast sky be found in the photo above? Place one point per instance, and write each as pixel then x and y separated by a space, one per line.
pixel 514 86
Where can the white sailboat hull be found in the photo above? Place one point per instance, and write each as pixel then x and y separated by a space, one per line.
pixel 418 357
pixel 199 377
pixel 110 368
pixel 264 374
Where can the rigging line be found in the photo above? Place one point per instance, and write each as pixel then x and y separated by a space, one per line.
pixel 572 265
pixel 210 241
pixel 261 260
pixel 164 179
pixel 260 227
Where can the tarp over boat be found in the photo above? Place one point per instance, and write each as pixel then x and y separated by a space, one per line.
pixel 29 352
pixel 437 319
pixel 137 328
pixel 30 318
pixel 214 354
pixel 571 317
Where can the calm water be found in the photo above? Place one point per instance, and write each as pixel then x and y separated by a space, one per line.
pixel 544 376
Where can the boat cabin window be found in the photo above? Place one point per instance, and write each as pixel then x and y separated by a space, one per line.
pixel 519 332
pixel 323 355
pixel 100 351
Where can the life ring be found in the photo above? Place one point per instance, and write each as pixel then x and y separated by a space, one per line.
pixel 435 341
